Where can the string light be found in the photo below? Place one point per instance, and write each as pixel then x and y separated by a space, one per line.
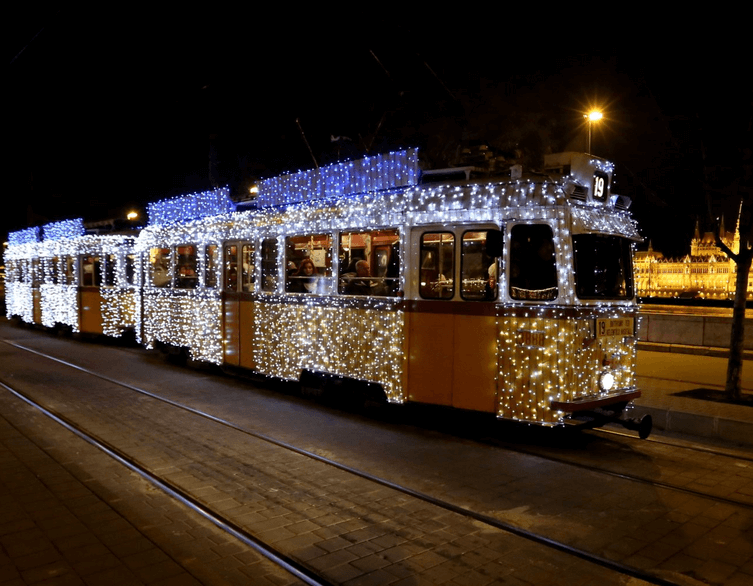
pixel 546 351
pixel 190 207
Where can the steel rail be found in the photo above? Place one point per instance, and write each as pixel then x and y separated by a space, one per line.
pixel 654 440
pixel 287 563
pixel 486 519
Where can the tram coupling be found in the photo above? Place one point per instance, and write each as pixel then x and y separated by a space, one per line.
pixel 643 426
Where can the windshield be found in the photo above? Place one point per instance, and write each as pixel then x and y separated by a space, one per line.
pixel 602 267
pixel 533 266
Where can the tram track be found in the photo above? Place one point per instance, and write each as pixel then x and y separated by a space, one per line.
pixel 228 526
pixel 633 478
pixel 246 537
pixel 654 439
pixel 384 482
pixel 506 445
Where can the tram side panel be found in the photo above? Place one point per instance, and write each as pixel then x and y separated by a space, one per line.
pixel 452 333
pixel 182 301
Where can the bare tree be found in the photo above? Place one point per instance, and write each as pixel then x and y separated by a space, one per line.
pixel 743 259
pixel 739 184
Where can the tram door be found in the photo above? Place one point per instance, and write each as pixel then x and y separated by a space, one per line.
pixel 452 333
pixel 36 277
pixel 90 297
pixel 238 303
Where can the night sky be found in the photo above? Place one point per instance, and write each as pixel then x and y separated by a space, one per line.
pixel 114 108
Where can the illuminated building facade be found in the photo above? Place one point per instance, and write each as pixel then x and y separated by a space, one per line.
pixel 705 273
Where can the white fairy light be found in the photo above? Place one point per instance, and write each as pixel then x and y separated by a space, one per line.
pixel 545 350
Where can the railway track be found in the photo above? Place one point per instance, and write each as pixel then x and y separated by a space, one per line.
pixel 657 440
pixel 571 459
pixel 477 517
pixel 532 452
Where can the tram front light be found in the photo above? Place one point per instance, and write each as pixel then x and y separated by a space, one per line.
pixel 606 381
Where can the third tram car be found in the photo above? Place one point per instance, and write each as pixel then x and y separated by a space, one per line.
pixel 510 295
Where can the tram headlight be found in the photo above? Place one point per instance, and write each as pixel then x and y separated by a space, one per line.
pixel 606 381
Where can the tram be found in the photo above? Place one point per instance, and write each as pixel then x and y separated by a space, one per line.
pixel 61 276
pixel 510 295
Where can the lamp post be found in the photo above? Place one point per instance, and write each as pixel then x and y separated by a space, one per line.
pixel 591 117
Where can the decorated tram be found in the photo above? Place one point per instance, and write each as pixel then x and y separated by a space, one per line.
pixel 510 294
pixel 60 275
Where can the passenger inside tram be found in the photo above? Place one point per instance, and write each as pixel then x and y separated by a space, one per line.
pixel 305 279
pixel 364 283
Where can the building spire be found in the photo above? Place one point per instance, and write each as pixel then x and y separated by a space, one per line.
pixel 736 238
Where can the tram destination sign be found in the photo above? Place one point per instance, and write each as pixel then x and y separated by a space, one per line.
pixel 615 327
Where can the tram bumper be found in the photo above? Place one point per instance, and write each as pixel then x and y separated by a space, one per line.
pixel 608 408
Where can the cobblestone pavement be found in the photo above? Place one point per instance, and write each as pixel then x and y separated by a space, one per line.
pixel 70 514
pixel 355 532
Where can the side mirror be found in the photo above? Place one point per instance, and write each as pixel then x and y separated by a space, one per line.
pixel 495 243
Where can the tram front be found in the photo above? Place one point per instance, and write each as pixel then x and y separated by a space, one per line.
pixel 567 329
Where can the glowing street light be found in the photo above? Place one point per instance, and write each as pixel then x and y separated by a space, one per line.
pixel 132 215
pixel 591 117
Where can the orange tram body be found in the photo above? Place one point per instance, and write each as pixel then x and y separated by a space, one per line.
pixel 510 295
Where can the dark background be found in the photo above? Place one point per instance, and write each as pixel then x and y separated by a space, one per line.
pixel 116 107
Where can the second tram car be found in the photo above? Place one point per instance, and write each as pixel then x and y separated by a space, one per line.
pixel 62 276
pixel 511 295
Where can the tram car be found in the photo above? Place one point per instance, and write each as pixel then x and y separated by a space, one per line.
pixel 62 275
pixel 510 295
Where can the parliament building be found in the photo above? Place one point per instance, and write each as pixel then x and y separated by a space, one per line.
pixel 705 273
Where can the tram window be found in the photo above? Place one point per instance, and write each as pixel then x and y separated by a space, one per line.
pixel 269 271
pixel 533 270
pixel 70 270
pixel 23 271
pixel 309 263
pixel 130 269
pixel 160 267
pixel 54 268
pixel 478 270
pixel 110 270
pixel 247 268
pixel 369 263
pixel 11 271
pixel 90 271
pixel 26 272
pixel 231 268
pixel 45 276
pixel 186 276
pixel 211 262
pixel 436 278
pixel 36 272
pixel 602 267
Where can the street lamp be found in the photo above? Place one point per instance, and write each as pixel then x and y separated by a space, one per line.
pixel 591 117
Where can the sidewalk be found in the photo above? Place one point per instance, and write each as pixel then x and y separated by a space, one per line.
pixel 664 371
